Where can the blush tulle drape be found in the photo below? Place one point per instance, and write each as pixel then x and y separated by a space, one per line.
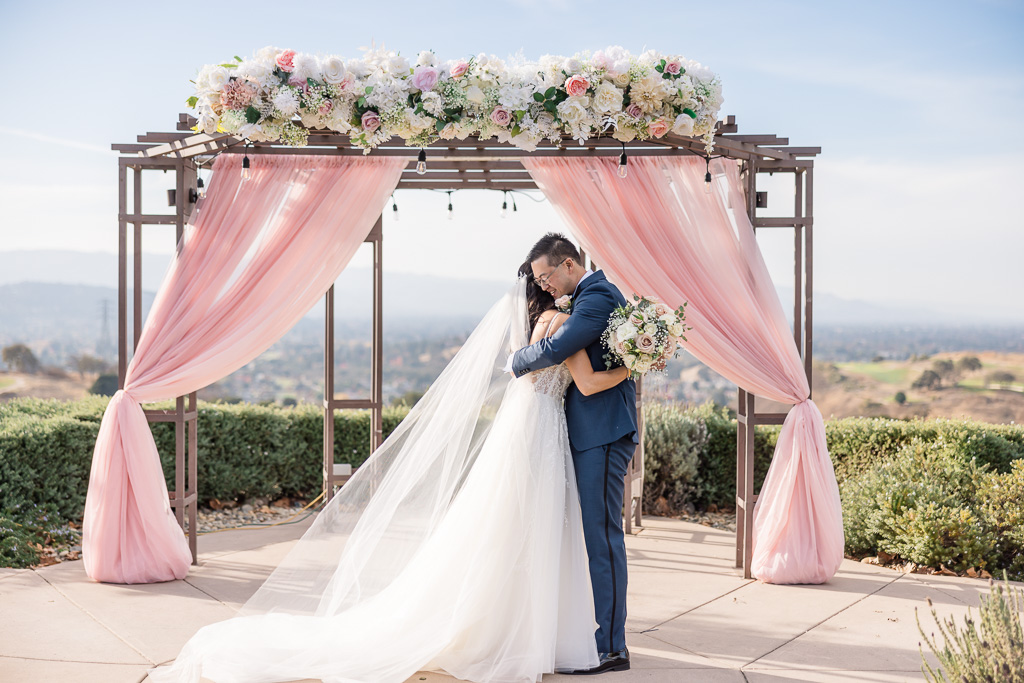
pixel 656 232
pixel 259 254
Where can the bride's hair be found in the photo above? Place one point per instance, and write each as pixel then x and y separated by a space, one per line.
pixel 537 299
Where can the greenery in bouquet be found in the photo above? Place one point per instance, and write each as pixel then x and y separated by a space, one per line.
pixel 279 95
pixel 643 335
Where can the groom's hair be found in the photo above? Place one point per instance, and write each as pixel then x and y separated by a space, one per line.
pixel 556 248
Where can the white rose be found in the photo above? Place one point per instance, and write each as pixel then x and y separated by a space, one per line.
pixel 572 65
pixel 642 367
pixel 448 132
pixel 398 64
pixel 207 123
pixel 629 360
pixel 475 95
pixel 624 134
pixel 334 70
pixel 668 318
pixel 607 98
pixel 683 125
pixel 573 110
pixel 624 332
pixel 426 58
pixel 216 77
pixel 651 328
pixel 675 329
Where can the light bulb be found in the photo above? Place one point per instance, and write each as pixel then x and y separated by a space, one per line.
pixel 421 162
pixel 623 170
pixel 451 213
pixel 707 183
pixel 202 187
pixel 394 212
pixel 245 168
pixel 504 209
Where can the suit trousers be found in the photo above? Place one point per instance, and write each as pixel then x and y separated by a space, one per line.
pixel 600 478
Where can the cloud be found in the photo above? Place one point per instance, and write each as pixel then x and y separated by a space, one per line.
pixel 63 142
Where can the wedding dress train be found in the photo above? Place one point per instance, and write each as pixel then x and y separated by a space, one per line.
pixel 458 548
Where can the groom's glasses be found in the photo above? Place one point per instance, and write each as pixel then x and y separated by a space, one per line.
pixel 543 279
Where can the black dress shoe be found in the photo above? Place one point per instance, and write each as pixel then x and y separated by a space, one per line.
pixel 610 661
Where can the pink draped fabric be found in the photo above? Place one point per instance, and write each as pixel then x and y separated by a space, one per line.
pixel 656 232
pixel 259 254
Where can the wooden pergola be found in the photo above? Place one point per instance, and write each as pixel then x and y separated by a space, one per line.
pixel 452 165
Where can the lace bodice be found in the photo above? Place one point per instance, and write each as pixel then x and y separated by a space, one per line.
pixel 552 381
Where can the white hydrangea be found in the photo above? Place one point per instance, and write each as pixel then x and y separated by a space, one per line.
pixel 433 103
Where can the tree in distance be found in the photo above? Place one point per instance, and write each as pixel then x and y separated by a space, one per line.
pixel 967 364
pixel 928 380
pixel 20 358
pixel 105 385
pixel 1002 377
pixel 900 397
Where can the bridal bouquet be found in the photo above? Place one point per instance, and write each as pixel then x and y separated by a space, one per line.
pixel 643 335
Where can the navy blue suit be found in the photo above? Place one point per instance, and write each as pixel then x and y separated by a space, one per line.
pixel 603 438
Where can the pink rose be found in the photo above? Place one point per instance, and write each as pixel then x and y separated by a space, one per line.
pixel 670 348
pixel 286 61
pixel 501 117
pixel 658 127
pixel 346 82
pixel 424 78
pixel 620 348
pixel 661 309
pixel 576 86
pixel 459 69
pixel 300 83
pixel 371 121
pixel 645 343
pixel 673 67
pixel 635 111
pixel 600 61
pixel 326 107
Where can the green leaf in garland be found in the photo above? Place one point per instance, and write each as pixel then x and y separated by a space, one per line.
pixel 229 65
pixel 192 101
pixel 369 89
pixel 538 96
pixel 689 112
pixel 516 130
pixel 550 106
pixel 439 125
pixel 252 114
pixel 312 83
pixel 237 58
pixel 361 102
pixel 520 114
pixel 550 92
pixel 661 67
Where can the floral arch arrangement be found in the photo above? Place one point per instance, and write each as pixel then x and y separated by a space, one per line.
pixel 608 92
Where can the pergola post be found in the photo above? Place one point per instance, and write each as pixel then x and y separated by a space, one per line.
pixel 183 498
pixel 336 474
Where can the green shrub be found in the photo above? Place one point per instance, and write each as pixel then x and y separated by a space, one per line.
pixel 716 475
pixel 921 505
pixel 1002 511
pixel 24 529
pixel 673 442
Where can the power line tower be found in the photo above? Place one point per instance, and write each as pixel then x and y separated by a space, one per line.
pixel 105 347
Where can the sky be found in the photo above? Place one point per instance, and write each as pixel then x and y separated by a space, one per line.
pixel 917 107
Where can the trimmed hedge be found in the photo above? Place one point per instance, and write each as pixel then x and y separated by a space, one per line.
pixel 964 479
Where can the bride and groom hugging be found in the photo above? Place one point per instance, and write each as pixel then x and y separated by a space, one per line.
pixel 484 537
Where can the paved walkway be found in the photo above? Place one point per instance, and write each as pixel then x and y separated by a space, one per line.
pixel 692 618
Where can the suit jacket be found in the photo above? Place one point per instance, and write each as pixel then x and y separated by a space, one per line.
pixel 600 418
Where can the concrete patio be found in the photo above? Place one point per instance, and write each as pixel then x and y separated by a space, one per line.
pixel 692 617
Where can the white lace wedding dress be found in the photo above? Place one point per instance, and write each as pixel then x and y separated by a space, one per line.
pixel 495 589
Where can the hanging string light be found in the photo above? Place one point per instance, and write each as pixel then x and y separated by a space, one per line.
pixel 504 204
pixel 201 185
pixel 514 207
pixel 245 164
pixel 623 170
pixel 707 175
pixel 451 213
pixel 421 162
pixel 394 208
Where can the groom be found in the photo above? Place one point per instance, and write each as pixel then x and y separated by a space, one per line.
pixel 602 431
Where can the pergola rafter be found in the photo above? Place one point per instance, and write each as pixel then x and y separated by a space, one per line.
pixel 472 164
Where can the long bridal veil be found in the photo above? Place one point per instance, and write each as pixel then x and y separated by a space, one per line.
pixel 457 546
pixel 380 518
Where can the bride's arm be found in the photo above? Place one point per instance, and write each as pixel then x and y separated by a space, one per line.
pixel 587 380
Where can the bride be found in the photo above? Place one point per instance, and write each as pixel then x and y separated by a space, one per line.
pixel 457 547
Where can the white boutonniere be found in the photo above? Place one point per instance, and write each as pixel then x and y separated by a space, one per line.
pixel 563 303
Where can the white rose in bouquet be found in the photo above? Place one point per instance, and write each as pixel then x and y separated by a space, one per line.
pixel 334 70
